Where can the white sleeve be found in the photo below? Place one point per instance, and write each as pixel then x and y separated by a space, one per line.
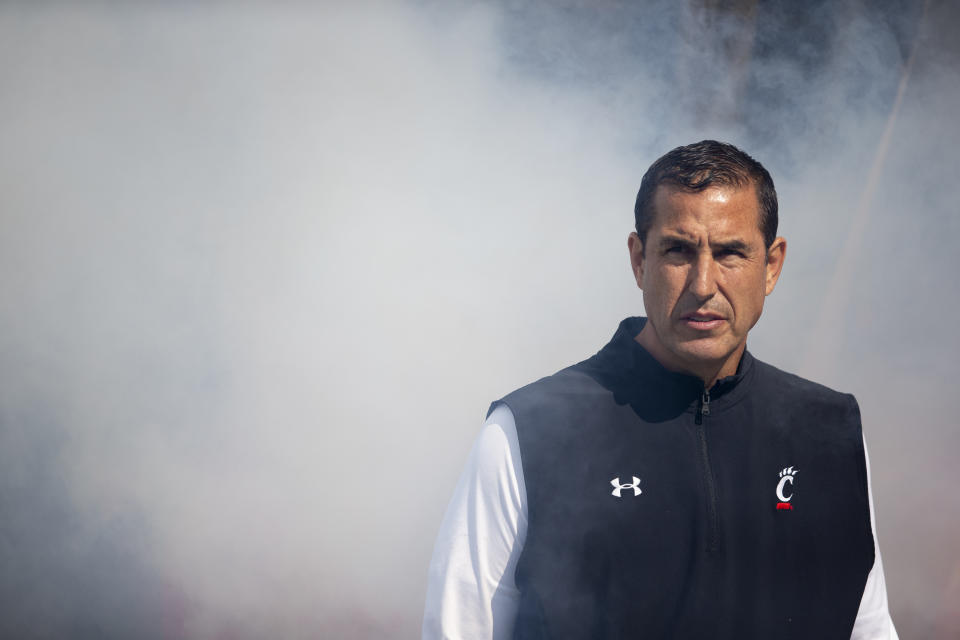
pixel 873 619
pixel 470 589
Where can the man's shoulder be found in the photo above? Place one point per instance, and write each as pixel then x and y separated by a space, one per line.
pixel 570 381
pixel 797 389
pixel 567 391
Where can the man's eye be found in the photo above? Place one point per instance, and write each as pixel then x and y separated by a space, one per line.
pixel 675 249
pixel 729 252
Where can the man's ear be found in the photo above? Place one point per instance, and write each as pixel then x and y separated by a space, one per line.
pixel 636 257
pixel 775 256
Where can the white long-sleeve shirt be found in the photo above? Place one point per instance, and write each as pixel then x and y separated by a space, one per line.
pixel 471 593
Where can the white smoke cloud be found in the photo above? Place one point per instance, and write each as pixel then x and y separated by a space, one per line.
pixel 263 268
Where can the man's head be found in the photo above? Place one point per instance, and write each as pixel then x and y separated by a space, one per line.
pixel 704 164
pixel 705 254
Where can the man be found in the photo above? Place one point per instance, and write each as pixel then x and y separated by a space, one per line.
pixel 670 486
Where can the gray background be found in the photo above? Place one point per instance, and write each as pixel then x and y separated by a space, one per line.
pixel 264 265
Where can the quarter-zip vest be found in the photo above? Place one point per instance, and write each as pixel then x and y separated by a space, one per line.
pixel 659 510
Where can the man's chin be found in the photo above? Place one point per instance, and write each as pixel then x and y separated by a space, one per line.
pixel 705 351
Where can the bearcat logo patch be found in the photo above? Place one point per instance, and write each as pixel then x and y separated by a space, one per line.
pixel 786 477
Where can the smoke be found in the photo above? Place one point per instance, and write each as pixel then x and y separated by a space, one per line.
pixel 263 267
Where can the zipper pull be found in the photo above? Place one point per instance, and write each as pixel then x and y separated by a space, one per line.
pixel 703 407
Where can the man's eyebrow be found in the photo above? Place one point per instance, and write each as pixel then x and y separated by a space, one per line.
pixel 671 238
pixel 732 245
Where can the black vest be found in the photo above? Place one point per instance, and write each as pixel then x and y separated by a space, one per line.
pixel 658 511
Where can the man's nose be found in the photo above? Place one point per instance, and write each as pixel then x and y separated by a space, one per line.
pixel 703 277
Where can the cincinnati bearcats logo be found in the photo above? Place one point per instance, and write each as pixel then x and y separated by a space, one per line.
pixel 617 487
pixel 786 477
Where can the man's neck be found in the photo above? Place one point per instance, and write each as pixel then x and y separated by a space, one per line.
pixel 708 371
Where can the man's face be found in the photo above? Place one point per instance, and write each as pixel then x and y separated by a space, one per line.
pixel 705 272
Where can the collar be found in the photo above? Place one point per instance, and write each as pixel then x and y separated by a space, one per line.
pixel 656 394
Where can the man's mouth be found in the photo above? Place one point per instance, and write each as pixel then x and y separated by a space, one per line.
pixel 702 321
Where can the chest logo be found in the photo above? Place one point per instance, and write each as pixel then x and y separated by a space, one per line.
pixel 786 477
pixel 617 487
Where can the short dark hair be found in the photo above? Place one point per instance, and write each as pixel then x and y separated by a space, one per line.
pixel 695 167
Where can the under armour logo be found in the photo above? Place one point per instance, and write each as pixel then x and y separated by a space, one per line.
pixel 617 487
pixel 786 477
